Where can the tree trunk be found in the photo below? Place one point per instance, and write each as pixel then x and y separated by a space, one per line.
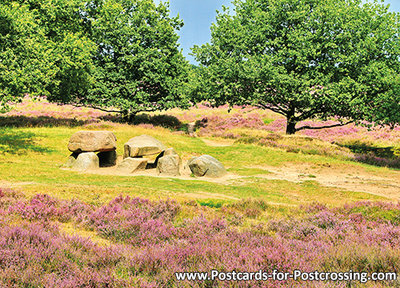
pixel 291 121
pixel 128 116
pixel 290 127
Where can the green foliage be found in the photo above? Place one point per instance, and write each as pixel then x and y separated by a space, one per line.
pixel 166 121
pixel 120 54
pixel 396 151
pixel 138 64
pixel 196 88
pixel 305 59
pixel 16 51
pixel 43 50
pixel 212 203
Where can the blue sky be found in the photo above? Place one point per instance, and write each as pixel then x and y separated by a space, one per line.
pixel 199 14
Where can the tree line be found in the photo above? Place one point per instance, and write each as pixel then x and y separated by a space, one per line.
pixel 303 59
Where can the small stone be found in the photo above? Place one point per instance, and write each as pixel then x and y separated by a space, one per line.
pixel 131 165
pixel 107 159
pixel 143 145
pixel 191 128
pixel 86 161
pixel 92 141
pixel 206 165
pixel 169 165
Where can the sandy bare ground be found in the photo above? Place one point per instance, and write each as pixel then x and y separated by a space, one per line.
pixel 185 175
pixel 7 184
pixel 352 179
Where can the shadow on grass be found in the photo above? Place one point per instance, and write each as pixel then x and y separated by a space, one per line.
pixel 377 156
pixel 40 121
pixel 19 142
pixel 166 121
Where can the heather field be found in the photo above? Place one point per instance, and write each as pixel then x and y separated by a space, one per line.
pixel 323 200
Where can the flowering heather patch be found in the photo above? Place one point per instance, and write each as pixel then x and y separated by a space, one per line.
pixel 249 117
pixel 378 161
pixel 37 255
pixel 153 244
pixel 39 112
pixel 251 125
pixel 41 107
pixel 136 221
pixel 230 127
pixel 351 132
pixel 241 115
pixel 40 207
pixel 46 208
pixel 9 197
pixel 218 126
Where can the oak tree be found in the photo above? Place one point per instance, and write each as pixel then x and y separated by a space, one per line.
pixel 306 59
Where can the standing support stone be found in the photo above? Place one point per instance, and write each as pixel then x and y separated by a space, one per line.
pixel 71 160
pixel 169 165
pixel 169 151
pixel 86 161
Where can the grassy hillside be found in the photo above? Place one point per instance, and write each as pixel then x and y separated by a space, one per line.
pixel 283 195
pixel 42 151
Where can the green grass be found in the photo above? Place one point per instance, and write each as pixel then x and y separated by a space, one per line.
pixel 211 203
pixel 30 158
pixel 375 213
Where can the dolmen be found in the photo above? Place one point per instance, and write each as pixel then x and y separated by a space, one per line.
pixel 138 149
pixel 95 149
pixel 85 144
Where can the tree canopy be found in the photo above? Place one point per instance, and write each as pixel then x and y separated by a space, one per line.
pixel 102 53
pixel 138 64
pixel 305 59
pixel 42 49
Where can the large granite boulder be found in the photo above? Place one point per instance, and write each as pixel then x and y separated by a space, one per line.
pixel 86 161
pixel 92 141
pixel 143 145
pixel 169 165
pixel 206 165
pixel 130 165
